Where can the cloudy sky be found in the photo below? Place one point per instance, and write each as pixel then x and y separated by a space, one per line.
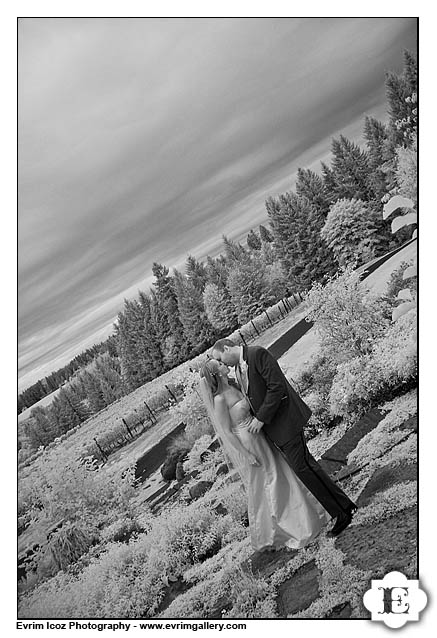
pixel 145 140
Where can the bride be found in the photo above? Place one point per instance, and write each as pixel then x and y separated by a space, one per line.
pixel 282 512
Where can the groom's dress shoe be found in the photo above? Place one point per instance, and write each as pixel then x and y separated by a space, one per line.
pixel 343 520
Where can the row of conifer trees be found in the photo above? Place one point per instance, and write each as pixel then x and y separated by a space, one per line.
pixel 326 221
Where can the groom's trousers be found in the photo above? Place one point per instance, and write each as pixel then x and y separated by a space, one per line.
pixel 305 466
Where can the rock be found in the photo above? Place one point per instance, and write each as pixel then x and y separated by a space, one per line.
pixel 299 591
pixel 179 471
pixel 199 489
pixel 220 509
pixel 265 563
pixel 222 469
pixel 344 610
pixel 168 468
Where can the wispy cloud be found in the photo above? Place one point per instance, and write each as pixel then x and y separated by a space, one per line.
pixel 143 140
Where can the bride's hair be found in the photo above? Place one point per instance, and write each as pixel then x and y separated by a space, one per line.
pixel 210 372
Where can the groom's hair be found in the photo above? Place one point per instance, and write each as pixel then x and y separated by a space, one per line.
pixel 221 343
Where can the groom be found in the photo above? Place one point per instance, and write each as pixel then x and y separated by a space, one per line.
pixel 281 414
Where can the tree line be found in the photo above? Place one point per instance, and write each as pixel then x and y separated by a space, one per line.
pixel 327 221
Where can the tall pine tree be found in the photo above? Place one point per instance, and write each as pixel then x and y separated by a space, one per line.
pixel 296 225
pixel 168 325
pixel 253 240
pixel 312 186
pixel 219 308
pixel 265 234
pixel 199 332
pixel 376 136
pixel 350 173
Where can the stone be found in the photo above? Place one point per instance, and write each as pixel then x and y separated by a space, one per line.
pixel 344 610
pixel 222 469
pixel 199 489
pixel 179 471
pixel 299 591
pixel 265 563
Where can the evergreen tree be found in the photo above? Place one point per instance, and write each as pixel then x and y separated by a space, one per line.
pixel 330 182
pixel 94 391
pixel 268 254
pixel 234 252
pixel 410 72
pixel 249 289
pixel 253 240
pixel 376 136
pixel 219 308
pixel 67 411
pixel 109 378
pixel 139 357
pixel 153 358
pixel 276 281
pixel 168 325
pixel 217 270
pixel 39 429
pixel 350 171
pixel 312 186
pixel 196 273
pixel 198 330
pixel 265 235
pixel 352 231
pixel 303 253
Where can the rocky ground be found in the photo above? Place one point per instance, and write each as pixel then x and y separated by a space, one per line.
pixel 373 547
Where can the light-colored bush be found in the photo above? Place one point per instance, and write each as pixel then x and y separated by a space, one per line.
pixel 406 171
pixel 347 317
pixel 364 381
pixel 128 580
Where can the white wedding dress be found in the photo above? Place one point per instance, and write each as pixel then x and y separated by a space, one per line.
pixel 282 511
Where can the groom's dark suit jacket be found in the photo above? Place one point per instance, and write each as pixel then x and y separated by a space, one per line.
pixel 272 398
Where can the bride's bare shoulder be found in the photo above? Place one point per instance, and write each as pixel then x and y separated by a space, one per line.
pixel 219 400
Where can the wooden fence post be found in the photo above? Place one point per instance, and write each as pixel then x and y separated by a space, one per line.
pixel 152 416
pixel 105 456
pixel 171 394
pixel 254 327
pixel 267 315
pixel 127 428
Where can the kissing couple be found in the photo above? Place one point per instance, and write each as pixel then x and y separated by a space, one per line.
pixel 260 429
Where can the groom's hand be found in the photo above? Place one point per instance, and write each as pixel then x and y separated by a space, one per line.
pixel 255 426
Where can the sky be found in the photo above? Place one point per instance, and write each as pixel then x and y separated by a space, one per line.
pixel 144 140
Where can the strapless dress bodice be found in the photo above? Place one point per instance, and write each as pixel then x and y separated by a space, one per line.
pixel 241 416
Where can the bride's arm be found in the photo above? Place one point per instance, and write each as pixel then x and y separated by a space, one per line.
pixel 222 414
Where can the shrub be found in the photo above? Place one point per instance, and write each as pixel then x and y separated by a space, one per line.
pixel 365 381
pixel 397 282
pixel 347 317
pixel 317 375
pixel 230 593
pixel 128 580
pixel 406 171
pixel 121 530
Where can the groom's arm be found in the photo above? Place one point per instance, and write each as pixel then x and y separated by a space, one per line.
pixel 268 368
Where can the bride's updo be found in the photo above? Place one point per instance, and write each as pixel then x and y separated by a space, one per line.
pixel 210 372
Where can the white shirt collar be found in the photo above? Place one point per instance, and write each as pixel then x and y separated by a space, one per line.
pixel 242 361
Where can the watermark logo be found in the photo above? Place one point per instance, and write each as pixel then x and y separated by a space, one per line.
pixel 395 600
